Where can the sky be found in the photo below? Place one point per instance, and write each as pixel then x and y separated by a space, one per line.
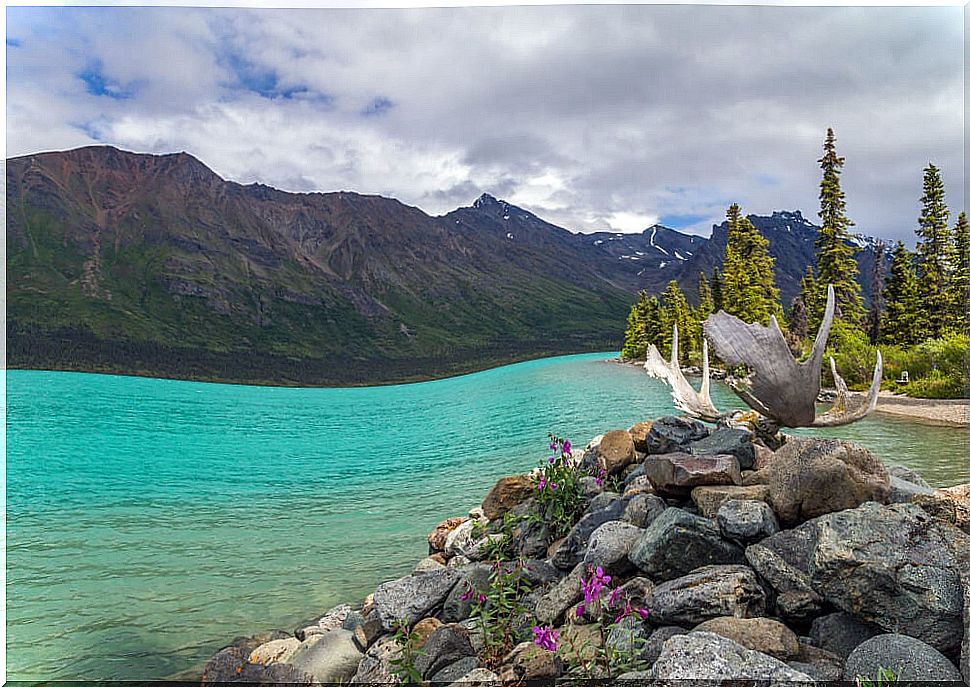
pixel 592 117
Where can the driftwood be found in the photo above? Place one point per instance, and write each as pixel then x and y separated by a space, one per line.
pixel 779 388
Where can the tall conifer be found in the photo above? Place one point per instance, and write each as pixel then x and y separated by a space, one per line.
pixel 934 261
pixel 874 319
pixel 809 294
pixel 902 322
pixel 749 290
pixel 835 255
pixel 961 274
pixel 705 299
pixel 717 290
pixel 678 312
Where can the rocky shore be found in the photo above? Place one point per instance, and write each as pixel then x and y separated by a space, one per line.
pixel 666 551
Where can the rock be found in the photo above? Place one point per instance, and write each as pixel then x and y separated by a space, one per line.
pixel 672 433
pixel 654 644
pixel 474 576
pixel 841 632
pixel 588 461
pixel 615 451
pixel 531 662
pixel 375 667
pixel 480 677
pixel 735 442
pixel 896 567
pixel 427 565
pixel 560 598
pixel 507 493
pixel 628 635
pixel 965 647
pixel 638 485
pixel 579 643
pixel 811 477
pixel 602 500
pixel 637 591
pixel 746 521
pixel 763 457
pixel 761 634
pixel 706 593
pixel 458 561
pixel 819 663
pixel 447 644
pixel 910 660
pixel 455 671
pixel 709 499
pixel 709 656
pixel 572 550
pixel 907 474
pixel 782 560
pixel 231 666
pixel 590 487
pixel 950 505
pixel 609 545
pixel 901 491
pixel 439 535
pixel 798 606
pixel 275 651
pixel 410 598
pixel 461 540
pixel 328 657
pixel 638 433
pixel 423 629
pixel 643 509
pixel 675 474
pixel 677 542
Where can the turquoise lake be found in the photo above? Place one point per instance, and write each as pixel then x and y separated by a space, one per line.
pixel 151 521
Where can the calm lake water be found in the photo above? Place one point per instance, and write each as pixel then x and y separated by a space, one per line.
pixel 151 521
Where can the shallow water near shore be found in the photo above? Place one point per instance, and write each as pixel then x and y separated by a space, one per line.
pixel 151 521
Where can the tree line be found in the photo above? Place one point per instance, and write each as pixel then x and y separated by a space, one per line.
pixel 924 297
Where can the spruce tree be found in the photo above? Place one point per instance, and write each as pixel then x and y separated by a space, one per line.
pixel 809 293
pixel 635 338
pixel 798 318
pixel 705 299
pixel 873 322
pixel 717 290
pixel 678 312
pixel 933 254
pixel 902 321
pixel 749 290
pixel 834 255
pixel 961 272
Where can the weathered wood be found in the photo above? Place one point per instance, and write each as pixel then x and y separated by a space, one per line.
pixel 693 403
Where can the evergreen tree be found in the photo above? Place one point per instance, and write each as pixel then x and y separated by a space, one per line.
pixel 655 322
pixel 902 321
pixel 961 273
pixel 809 293
pixel 749 290
pixel 873 321
pixel 834 255
pixel 717 290
pixel 645 325
pixel 705 299
pixel 678 312
pixel 933 259
pixel 635 337
pixel 798 318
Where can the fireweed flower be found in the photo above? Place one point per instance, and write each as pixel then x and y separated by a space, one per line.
pixel 567 448
pixel 614 595
pixel 545 637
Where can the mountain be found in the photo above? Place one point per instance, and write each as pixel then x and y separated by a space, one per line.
pixel 119 261
pixel 153 264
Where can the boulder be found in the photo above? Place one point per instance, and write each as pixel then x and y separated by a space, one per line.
pixel 329 657
pixel 455 671
pixel 706 593
pixel 746 521
pixel 654 645
pixel 636 590
pixel 638 485
pixel 709 499
pixel 427 565
pixel 907 474
pixel 709 656
pixel 672 433
pixel 628 635
pixel 530 662
pixel 480 677
pixel 841 632
pixel 615 451
pixel 507 493
pixel 423 629
pixel 573 548
pixel 275 651
pixel 965 647
pixel 675 474
pixel 763 457
pixel 677 542
pixel 439 535
pixel 725 440
pixel 822 665
pixel 782 560
pixel 410 598
pixel 462 540
pixel 230 666
pixel 446 645
pixel 474 577
pixel 375 667
pixel 590 487
pixel 902 491
pixel 811 477
pixel 609 545
pixel 761 634
pixel 910 660
pixel 642 509
pixel 639 433
pixel 602 500
pixel 554 603
pixel 950 505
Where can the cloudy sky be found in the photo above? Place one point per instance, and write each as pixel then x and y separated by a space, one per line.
pixel 591 116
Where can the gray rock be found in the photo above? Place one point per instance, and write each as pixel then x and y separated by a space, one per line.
pixel 708 592
pixel 811 477
pixel 965 648
pixel 410 598
pixel 636 590
pixel 818 672
pixel 708 656
pixel 677 473
pixel 329 657
pixel 672 433
pixel 841 632
pixel 375 667
pixel 736 442
pixel 573 548
pixel 746 521
pixel 628 635
pixel 555 602
pixel 640 484
pixel 601 501
pixel 446 645
pixel 909 658
pixel 480 677
pixel 590 487
pixel 677 542
pixel 532 538
pixel 456 670
pixel 609 545
pixel 782 560
pixel 909 475
pixel 643 509
pixel 474 576
pixel 825 665
pixel 655 642
pixel 903 491
pixel 231 666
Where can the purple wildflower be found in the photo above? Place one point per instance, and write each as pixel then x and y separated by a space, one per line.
pixel 600 477
pixel 542 483
pixel 567 447
pixel 644 613
pixel 545 637
pixel 481 598
pixel 552 486
pixel 614 595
